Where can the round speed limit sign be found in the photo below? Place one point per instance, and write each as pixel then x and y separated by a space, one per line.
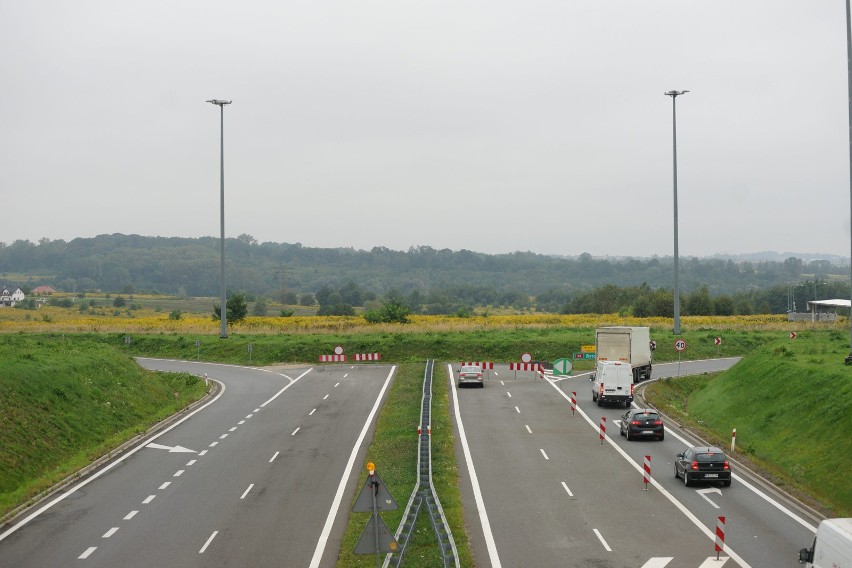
pixel 680 345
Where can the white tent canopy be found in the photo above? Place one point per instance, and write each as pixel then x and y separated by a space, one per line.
pixel 815 304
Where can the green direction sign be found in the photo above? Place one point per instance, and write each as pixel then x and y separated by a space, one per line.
pixel 561 367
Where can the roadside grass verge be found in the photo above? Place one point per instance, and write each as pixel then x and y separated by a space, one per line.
pixel 393 450
pixel 64 403
pixel 790 402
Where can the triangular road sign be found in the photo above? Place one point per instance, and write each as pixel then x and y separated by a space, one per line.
pixel 367 542
pixel 384 500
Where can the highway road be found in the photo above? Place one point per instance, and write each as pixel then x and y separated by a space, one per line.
pixel 255 477
pixel 540 488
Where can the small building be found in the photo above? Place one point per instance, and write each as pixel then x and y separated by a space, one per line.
pixel 820 310
pixel 43 291
pixel 9 299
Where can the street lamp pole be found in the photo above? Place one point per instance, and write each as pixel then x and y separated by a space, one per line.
pixel 674 95
pixel 223 309
pixel 849 81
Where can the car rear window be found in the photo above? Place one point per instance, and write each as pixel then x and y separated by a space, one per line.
pixel 470 369
pixel 709 457
pixel 646 416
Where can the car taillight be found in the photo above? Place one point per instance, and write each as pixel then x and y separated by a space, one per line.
pixel 601 389
pixel 658 422
pixel 632 386
pixel 726 466
pixel 694 465
pixel 635 422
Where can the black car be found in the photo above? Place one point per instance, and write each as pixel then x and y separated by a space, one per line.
pixel 642 423
pixel 703 463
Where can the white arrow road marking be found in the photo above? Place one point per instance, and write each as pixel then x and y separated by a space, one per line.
pixel 658 562
pixel 711 562
pixel 172 449
pixel 703 493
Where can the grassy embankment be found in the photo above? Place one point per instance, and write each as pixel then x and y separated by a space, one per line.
pixel 66 401
pixel 790 401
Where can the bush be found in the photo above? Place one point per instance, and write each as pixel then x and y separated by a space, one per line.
pixel 175 315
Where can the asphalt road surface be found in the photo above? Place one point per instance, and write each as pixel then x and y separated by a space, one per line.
pixel 540 487
pixel 256 477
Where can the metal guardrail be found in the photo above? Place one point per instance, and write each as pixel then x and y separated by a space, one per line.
pixel 424 491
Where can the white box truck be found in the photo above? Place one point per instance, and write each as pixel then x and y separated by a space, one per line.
pixel 832 547
pixel 626 344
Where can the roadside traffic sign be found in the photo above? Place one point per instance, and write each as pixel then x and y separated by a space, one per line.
pixel 653 345
pixel 526 358
pixel 792 335
pixel 585 356
pixel 562 367
pixel 680 345
pixel 717 341
pixel 338 350
pixel 587 348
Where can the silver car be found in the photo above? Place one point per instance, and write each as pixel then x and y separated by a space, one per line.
pixel 470 374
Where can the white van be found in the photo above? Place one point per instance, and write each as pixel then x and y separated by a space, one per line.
pixel 832 547
pixel 612 382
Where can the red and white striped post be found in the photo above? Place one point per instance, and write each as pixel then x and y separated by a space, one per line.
pixel 733 440
pixel 573 402
pixel 603 429
pixel 646 474
pixel 720 535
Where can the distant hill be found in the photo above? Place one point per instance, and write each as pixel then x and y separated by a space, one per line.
pixel 190 266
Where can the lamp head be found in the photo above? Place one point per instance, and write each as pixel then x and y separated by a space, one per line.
pixel 674 93
pixel 219 102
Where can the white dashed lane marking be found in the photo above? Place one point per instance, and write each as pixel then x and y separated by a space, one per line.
pixel 209 540
pixel 88 552
pixel 110 532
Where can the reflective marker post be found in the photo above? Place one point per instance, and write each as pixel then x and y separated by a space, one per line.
pixel 603 429
pixel 573 402
pixel 646 475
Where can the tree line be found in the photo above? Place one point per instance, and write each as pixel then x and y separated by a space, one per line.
pixel 423 279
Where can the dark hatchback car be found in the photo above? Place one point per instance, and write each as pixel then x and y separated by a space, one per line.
pixel 642 423
pixel 703 463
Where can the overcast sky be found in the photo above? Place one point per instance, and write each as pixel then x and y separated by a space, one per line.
pixel 494 126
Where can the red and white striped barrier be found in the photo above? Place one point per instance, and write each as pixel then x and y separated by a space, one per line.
pixel 368 356
pixel 646 471
pixel 526 367
pixel 483 364
pixel 603 429
pixel 720 535
pixel 573 402
pixel 332 358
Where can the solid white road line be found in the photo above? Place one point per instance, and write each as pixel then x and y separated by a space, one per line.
pixel 166 484
pixel 474 480
pixel 544 454
pixel 296 430
pixel 209 540
pixel 603 542
pixel 566 489
pixel 130 515
pixel 88 552
pixel 272 459
pixel 243 496
pixel 110 532
pixel 528 428
pixel 103 470
pixel 276 395
pixel 347 472
pixel 148 499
